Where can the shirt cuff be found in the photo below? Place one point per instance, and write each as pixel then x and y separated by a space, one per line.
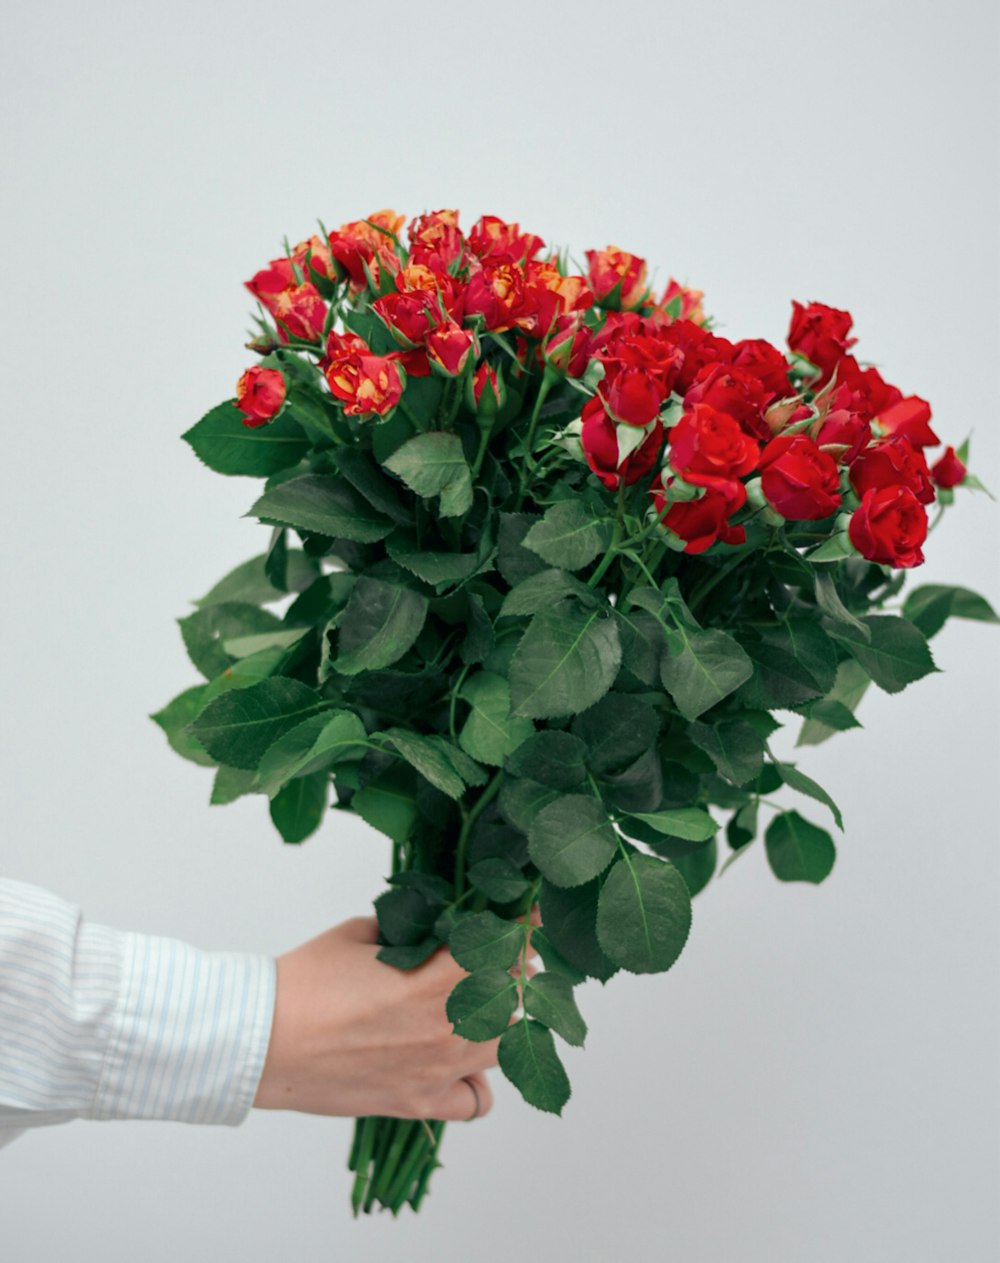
pixel 189 1032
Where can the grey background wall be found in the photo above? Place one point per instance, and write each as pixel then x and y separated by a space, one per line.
pixel 817 1078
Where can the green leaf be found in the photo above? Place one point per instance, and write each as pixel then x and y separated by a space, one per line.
pixel 499 878
pixel 568 536
pixel 929 606
pixel 527 1056
pixel 245 671
pixel 551 757
pixel 231 783
pixel 237 727
pixel 569 918
pixel 566 661
pixel 490 733
pixel 408 956
pixel 222 442
pixel 174 719
pixel 365 477
pixel 297 810
pixel 616 731
pixel 425 755
pixel 486 941
pixel 439 569
pixel 697 867
pixel 480 640
pixel 380 623
pixel 828 600
pixel 797 780
pixel 549 998
pixel 434 464
pixel 248 582
pixel 205 630
pixel 321 741
pixel 405 915
pixel 323 505
pixel 514 561
pixel 521 800
pixel 571 840
pixel 276 559
pixel 256 644
pixel 896 654
pixel 480 1006
pixel 710 666
pixel 388 803
pixel 642 644
pixel 797 850
pixel 835 712
pixel 643 914
pixel 736 749
pixel 540 590
pixel 793 663
pixel 694 824
pixel 554 961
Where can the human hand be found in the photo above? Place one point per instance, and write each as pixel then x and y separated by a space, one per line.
pixel 353 1036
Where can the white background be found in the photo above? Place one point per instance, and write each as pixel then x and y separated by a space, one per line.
pixel 817 1078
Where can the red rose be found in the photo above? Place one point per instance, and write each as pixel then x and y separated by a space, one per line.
pixel 297 306
pixel 843 429
pixel 495 292
pixel 315 253
pixel 798 480
pixel 617 278
pixel 681 303
pixel 449 347
pixel 260 395
pixel 701 522
pixel 409 317
pixel 889 527
pixel 436 240
pixel 757 357
pixel 873 394
pixel 695 346
pixel 708 448
pixel 820 334
pixel 599 437
pixel 909 419
pixel 549 296
pixel 734 391
pixel 949 470
pixel 363 242
pixel 633 395
pixel 892 462
pixel 566 349
pixel 493 239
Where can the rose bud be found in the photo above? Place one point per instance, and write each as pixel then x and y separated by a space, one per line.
pixel 565 350
pixel 617 278
pixel 948 471
pixel 680 303
pixel 485 392
pixel 260 395
pixel 819 333
pixel 449 348
pixel 632 395
pixel 798 480
pixel 893 462
pixel 602 446
pixel 889 526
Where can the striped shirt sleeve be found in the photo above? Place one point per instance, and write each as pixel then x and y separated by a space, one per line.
pixel 101 1023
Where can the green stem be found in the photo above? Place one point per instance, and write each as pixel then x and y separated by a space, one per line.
pixel 432 1163
pixel 484 441
pixel 548 381
pixel 607 559
pixel 477 809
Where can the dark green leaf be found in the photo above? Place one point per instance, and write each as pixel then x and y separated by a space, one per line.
pixel 498 878
pixel 571 840
pixel 408 956
pixel 643 914
pixel 736 749
pixel 528 1057
pixel 225 444
pixel 480 640
pixel 568 536
pixel 323 505
pixel 434 464
pixel 793 664
pixel 237 727
pixel 551 757
pixel 569 918
pixel 426 756
pixel 521 799
pixel 828 600
pixel 797 780
pixel 298 809
pixel 929 606
pixel 639 787
pixel 439 569
pixel 486 941
pixel 174 719
pixel 380 623
pixel 276 559
pixel 320 742
pixel 697 867
pixel 405 916
pixel 694 824
pixel 360 471
pixel 549 998
pixel 797 850
pixel 566 661
pixel 896 654
pixel 554 961
pixel 249 584
pixel 514 561
pixel 540 590
pixel 709 666
pixel 388 803
pixel 642 644
pixel 826 715
pixel 480 1006
pixel 616 731
pixel 205 630
pixel 490 733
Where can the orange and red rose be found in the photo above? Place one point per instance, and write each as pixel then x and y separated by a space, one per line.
pixel 260 395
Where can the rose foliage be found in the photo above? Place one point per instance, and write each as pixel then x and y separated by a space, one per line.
pixel 549 562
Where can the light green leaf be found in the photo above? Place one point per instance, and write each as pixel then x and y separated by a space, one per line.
pixel 322 504
pixel 174 719
pixel 231 783
pixel 528 1057
pixel 797 780
pixel 572 840
pixel 480 1006
pixel 643 914
pixel 380 623
pixel 797 850
pixel 694 824
pixel 490 733
pixel 222 442
pixel 828 600
pixel 278 638
pixel 568 536
pixel 566 661
pixel 549 998
pixel 238 726
pixel 710 666
pixel 205 630
pixel 323 740
pixel 388 803
pixel 248 582
pixel 434 464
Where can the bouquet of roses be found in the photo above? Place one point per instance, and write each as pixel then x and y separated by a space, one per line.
pixel 550 553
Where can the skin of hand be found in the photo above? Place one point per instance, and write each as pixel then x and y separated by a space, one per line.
pixel 353 1036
